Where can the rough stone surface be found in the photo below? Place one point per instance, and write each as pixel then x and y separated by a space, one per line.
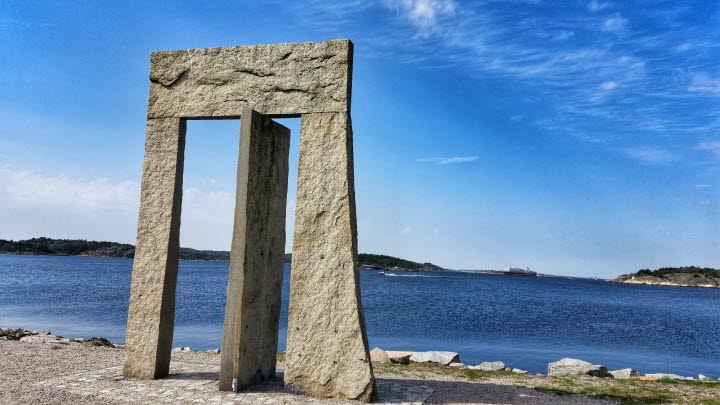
pixel 151 314
pixel 378 355
pixel 457 365
pixel 400 357
pixel 42 338
pixel 279 80
pixel 704 378
pixel 624 374
pixel 97 342
pixel 327 353
pixel 252 312
pixel 665 376
pixel 443 358
pixel 489 366
pixel 569 366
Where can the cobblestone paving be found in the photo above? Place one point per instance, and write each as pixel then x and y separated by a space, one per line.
pixel 191 382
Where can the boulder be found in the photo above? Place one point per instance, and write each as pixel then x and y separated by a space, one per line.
pixel 16 334
pixel 213 351
pixel 442 358
pixel 567 366
pixel 704 378
pixel 378 355
pixel 184 349
pixel 624 374
pixel 42 339
pixel 457 365
pixel 666 376
pixel 489 366
pixel 518 371
pixel 399 357
pixel 97 342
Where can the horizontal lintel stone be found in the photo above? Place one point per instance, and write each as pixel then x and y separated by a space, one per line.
pixel 277 80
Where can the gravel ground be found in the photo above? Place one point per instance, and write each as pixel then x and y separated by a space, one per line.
pixel 26 365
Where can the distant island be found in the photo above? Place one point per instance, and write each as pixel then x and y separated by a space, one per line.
pixel 690 276
pixel 80 247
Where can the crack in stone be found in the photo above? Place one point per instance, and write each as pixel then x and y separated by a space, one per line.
pixel 254 72
pixel 172 82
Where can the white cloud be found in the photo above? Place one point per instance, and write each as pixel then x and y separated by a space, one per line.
pixel 614 23
pixel 703 83
pixel 649 155
pixel 30 187
pixel 684 47
pixel 596 5
pixel 424 14
pixel 712 147
pixel 609 85
pixel 33 204
pixel 449 160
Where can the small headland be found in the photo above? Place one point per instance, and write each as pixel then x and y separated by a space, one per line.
pixel 689 276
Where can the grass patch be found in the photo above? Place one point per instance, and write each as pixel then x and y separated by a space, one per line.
pixel 475 375
pixel 281 357
pixel 697 383
pixel 56 347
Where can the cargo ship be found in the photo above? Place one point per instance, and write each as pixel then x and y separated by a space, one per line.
pixel 516 271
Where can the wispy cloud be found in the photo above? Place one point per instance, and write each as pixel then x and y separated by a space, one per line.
pixel 705 84
pixel 650 155
pixel 713 147
pixel 596 5
pixel 609 85
pixel 34 203
pixel 424 14
pixel 449 160
pixel 32 187
pixel 640 86
pixel 614 23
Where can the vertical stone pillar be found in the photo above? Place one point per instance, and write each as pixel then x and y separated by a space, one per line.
pixel 252 313
pixel 327 353
pixel 152 293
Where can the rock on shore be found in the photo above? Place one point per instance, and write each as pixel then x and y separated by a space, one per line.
pixel 568 367
pixel 624 374
pixel 442 358
pixel 489 366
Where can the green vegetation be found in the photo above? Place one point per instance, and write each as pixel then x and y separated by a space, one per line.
pixel 622 391
pixel 65 247
pixel 666 271
pixel 386 262
pixel 81 247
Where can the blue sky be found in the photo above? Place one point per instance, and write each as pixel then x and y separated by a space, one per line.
pixel 575 137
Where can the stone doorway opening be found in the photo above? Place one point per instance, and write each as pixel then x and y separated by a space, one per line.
pixel 209 192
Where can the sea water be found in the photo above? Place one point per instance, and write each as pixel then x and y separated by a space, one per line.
pixel 525 322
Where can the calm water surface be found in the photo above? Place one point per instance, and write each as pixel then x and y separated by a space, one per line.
pixel 525 322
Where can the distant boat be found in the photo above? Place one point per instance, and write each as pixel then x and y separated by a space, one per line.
pixel 516 271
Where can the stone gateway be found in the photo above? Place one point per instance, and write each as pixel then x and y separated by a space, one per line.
pixel 327 352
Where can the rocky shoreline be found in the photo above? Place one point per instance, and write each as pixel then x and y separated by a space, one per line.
pixel 663 282
pixel 88 371
pixel 564 367
pixel 689 276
